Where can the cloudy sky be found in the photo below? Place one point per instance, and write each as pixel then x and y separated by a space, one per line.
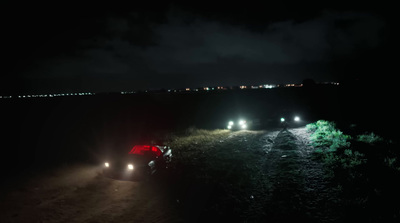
pixel 61 48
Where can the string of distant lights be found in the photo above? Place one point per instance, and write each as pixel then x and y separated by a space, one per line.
pixel 241 87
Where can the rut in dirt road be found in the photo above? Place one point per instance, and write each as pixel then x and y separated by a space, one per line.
pixel 294 187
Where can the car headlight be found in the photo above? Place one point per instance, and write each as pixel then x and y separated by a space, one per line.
pixel 106 164
pixel 130 166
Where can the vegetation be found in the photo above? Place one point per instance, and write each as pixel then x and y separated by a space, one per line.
pixel 364 167
pixel 362 171
pixel 369 138
pixel 332 146
pixel 324 136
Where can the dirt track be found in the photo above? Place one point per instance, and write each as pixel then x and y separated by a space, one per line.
pixel 296 187
pixel 275 179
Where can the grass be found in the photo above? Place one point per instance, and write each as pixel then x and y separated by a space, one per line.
pixel 338 149
pixel 333 147
pixel 365 168
pixel 226 165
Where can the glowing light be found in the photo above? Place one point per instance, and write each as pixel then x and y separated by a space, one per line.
pixel 107 164
pixel 282 119
pixel 244 126
pixel 241 122
pixel 296 118
pixel 130 166
pixel 229 126
pixel 230 123
pixel 144 149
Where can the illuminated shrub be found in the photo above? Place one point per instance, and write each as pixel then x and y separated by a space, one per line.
pixel 325 136
pixel 332 146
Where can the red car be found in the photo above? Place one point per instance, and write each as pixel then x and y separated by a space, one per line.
pixel 141 161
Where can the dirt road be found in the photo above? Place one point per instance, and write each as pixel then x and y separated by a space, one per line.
pixel 81 194
pixel 245 176
pixel 295 186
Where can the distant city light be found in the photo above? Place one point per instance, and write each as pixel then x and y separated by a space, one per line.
pixel 187 89
pixel 269 86
pixel 52 95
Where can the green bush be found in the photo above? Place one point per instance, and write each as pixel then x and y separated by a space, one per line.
pixel 390 161
pixel 351 159
pixel 320 124
pixel 325 135
pixel 345 159
pixel 369 138
pixel 333 147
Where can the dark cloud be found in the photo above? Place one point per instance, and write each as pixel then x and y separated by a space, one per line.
pixel 179 48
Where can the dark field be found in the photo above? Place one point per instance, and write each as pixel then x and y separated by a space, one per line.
pixel 53 149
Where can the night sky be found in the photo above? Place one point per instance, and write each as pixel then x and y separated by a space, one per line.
pixel 80 48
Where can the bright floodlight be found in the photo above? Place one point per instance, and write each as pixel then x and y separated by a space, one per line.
pixel 130 166
pixel 296 118
pixel 282 119
pixel 229 127
pixel 241 122
pixel 230 123
pixel 244 126
pixel 106 164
